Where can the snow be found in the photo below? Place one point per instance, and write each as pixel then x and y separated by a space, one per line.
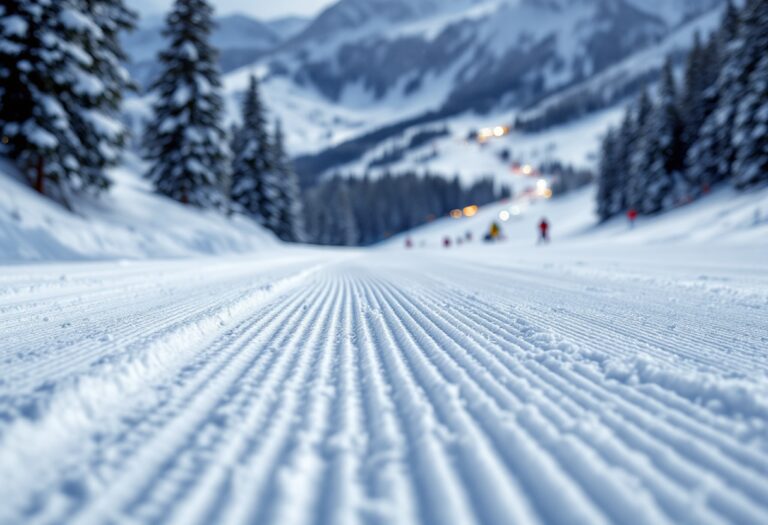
pixel 614 376
pixel 40 137
pixel 89 85
pixel 79 22
pixel 161 364
pixel 105 125
pixel 14 25
pixel 577 383
pixel 181 96
pixel 130 222
pixel 189 52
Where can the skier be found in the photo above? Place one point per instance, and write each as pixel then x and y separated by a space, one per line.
pixel 495 232
pixel 447 242
pixel 632 216
pixel 408 243
pixel 544 231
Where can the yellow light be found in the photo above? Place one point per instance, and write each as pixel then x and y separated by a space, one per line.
pixel 504 215
pixel 470 211
pixel 456 214
pixel 527 169
pixel 499 131
pixel 484 134
pixel 547 194
pixel 542 185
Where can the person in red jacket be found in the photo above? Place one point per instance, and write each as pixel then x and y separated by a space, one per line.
pixel 544 231
pixel 632 216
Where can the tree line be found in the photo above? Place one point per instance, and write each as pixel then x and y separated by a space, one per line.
pixel 361 211
pixel 62 82
pixel 708 129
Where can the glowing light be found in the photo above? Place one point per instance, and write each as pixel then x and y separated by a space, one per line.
pixel 504 215
pixel 547 194
pixel 486 134
pixel 456 214
pixel 542 185
pixel 470 211
pixel 527 169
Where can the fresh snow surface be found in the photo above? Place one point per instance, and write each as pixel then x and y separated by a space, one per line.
pixel 128 222
pixel 590 381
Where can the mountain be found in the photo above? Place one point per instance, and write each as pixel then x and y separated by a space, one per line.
pixel 288 26
pixel 459 55
pixel 241 40
pixel 367 72
pixel 420 61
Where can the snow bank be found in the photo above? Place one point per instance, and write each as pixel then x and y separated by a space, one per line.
pixel 128 222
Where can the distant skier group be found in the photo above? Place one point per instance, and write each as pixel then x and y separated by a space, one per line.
pixel 494 234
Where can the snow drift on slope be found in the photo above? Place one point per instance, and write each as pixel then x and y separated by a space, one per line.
pixel 128 222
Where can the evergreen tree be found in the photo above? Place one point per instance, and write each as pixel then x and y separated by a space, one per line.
pixel 638 160
pixel 102 133
pixel 750 138
pixel 255 187
pixel 711 155
pixel 57 106
pixel 663 149
pixel 291 213
pixel 695 84
pixel 719 124
pixel 185 141
pixel 607 178
pixel 626 138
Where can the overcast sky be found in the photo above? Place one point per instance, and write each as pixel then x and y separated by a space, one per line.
pixel 258 8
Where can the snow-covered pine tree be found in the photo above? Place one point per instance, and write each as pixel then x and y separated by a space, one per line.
pixel 255 187
pixel 52 99
pixel 607 178
pixel 694 88
pixel 638 160
pixel 664 150
pixel 291 213
pixel 710 157
pixel 99 126
pixel 626 137
pixel 186 142
pixel 751 120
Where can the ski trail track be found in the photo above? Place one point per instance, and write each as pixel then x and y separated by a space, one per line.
pixel 339 388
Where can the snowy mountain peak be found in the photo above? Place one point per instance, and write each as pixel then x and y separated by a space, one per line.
pixel 355 14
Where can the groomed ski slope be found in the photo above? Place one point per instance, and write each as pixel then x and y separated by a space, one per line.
pixel 484 385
